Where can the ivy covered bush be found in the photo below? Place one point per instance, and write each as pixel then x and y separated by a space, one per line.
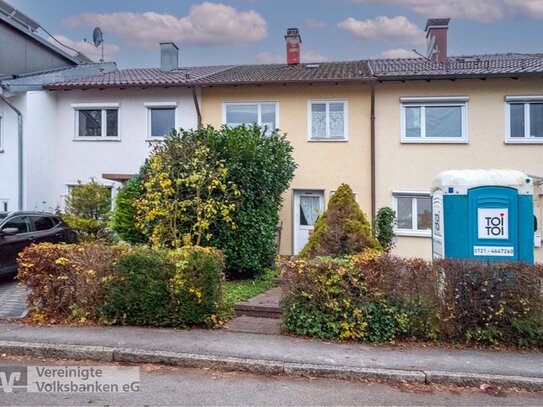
pixel 379 298
pixel 341 230
pixel 366 297
pixel 214 187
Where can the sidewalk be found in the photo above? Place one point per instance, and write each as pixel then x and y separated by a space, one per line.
pixel 274 354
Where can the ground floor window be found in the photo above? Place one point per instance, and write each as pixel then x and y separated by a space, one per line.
pixel 413 213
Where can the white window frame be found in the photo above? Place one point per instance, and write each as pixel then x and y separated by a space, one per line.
pixel 423 102
pixel 526 100
pixel 259 104
pixel 97 106
pixel 112 185
pixel 413 195
pixel 159 105
pixel 345 120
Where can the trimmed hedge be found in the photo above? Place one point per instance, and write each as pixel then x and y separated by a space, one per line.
pixel 121 285
pixel 379 298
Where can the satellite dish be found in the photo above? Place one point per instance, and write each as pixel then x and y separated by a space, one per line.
pixel 97 37
pixel 429 50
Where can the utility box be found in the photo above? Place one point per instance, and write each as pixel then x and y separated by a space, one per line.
pixel 483 214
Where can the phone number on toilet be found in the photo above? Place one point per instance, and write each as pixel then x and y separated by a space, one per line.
pixel 493 251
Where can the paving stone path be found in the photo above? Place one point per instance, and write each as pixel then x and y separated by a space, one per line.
pixel 12 299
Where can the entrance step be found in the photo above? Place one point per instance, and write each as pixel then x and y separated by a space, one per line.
pixel 265 305
pixel 255 325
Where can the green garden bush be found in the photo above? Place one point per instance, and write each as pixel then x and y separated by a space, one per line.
pixel 124 216
pixel 155 287
pixel 260 165
pixel 384 228
pixel 379 298
pixel 88 210
pixel 341 230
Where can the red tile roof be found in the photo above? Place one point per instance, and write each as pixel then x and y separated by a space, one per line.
pixel 475 66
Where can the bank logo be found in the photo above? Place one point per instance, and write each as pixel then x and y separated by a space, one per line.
pixel 13 379
pixel 493 223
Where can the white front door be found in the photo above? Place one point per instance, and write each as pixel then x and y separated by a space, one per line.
pixel 307 207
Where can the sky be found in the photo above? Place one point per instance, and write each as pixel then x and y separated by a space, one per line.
pixel 252 31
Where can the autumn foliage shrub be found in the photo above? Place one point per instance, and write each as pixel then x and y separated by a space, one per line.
pixel 341 230
pixel 492 302
pixel 379 298
pixel 66 282
pixel 105 284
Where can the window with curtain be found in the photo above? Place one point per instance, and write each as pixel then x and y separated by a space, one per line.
pixel 524 121
pixel 97 124
pixel 433 121
pixel 263 114
pixel 413 214
pixel 327 120
pixel 309 210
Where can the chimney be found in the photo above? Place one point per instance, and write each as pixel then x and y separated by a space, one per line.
pixel 293 41
pixel 169 56
pixel 436 37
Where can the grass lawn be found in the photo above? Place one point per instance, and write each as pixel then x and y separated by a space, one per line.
pixel 241 290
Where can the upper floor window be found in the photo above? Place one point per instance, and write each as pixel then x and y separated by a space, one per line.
pixel 327 120
pixel 161 119
pixel 413 213
pixel 524 119
pixel 434 120
pixel 96 121
pixel 261 113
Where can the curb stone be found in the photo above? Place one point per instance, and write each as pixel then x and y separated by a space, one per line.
pixel 259 366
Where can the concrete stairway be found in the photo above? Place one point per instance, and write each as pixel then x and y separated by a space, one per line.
pixel 260 314
pixel 265 305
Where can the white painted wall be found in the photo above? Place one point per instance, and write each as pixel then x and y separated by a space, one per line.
pixel 9 150
pixel 81 160
pixel 39 147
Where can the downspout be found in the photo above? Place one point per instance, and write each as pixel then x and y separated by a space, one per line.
pixel 20 152
pixel 373 82
pixel 197 106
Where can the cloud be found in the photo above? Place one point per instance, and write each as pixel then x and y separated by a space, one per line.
pixel 94 53
pixel 307 56
pixel 477 10
pixel 398 30
pixel 207 24
pixel 399 53
pixel 269 58
pixel 314 23
pixel 527 8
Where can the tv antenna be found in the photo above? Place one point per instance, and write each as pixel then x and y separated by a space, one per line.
pixel 97 40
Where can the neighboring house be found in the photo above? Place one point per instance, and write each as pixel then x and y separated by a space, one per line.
pixel 386 127
pixel 27 113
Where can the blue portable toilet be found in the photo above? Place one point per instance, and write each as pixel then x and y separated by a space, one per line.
pixel 483 214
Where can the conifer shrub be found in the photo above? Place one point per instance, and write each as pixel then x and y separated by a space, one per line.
pixel 384 228
pixel 341 230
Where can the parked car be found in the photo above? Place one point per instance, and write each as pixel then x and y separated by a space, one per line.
pixel 20 229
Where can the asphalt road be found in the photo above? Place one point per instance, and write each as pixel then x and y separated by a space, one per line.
pixel 178 386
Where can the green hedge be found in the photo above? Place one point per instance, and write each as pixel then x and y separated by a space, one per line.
pixel 158 288
pixel 379 298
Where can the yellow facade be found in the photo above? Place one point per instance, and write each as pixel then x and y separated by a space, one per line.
pixel 399 166
pixel 322 165
pixel 402 166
